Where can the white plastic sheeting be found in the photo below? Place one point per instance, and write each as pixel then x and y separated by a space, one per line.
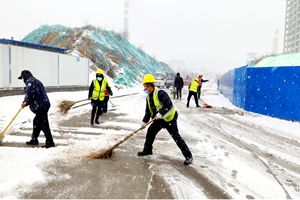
pixel 53 69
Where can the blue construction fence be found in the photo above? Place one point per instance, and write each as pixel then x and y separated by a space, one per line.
pixel 271 91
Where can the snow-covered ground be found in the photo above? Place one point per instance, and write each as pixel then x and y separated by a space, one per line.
pixel 245 154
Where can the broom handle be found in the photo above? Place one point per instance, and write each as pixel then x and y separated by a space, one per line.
pixel 131 134
pixel 88 99
pixel 111 103
pixel 10 122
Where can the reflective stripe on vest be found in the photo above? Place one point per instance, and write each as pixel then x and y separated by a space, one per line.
pixel 158 104
pixel 97 94
pixel 194 86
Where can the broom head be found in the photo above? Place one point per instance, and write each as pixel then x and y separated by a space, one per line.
pixel 65 106
pixel 207 106
pixel 104 154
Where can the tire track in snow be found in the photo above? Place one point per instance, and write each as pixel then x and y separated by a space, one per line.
pixel 273 142
pixel 211 127
pixel 246 147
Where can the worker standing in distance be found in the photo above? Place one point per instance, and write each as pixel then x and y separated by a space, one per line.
pixel 160 106
pixel 178 84
pixel 193 89
pixel 200 84
pixel 97 95
pixel 38 101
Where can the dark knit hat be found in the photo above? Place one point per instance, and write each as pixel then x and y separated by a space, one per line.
pixel 25 74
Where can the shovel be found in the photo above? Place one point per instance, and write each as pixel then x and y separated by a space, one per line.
pixel 10 122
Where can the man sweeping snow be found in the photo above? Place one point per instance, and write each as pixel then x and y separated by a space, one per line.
pixel 160 107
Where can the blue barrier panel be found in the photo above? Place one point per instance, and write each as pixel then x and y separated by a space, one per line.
pixel 239 89
pixel 274 91
pixel 226 84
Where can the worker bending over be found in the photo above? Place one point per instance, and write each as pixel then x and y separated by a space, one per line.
pixel 160 106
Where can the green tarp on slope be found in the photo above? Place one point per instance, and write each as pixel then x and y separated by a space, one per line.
pixel 280 61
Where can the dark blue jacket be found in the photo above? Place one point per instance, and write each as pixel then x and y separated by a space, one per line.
pixel 164 99
pixel 36 96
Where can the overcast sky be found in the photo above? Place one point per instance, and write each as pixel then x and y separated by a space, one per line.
pixel 218 34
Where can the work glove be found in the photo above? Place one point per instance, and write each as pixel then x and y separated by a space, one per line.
pixel 111 93
pixel 24 104
pixel 143 125
pixel 158 116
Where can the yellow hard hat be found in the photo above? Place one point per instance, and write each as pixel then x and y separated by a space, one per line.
pixel 99 71
pixel 196 79
pixel 149 78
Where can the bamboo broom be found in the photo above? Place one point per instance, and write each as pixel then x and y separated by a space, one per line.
pixel 65 105
pixel 107 153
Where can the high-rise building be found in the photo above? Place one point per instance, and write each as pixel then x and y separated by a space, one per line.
pixel 292 27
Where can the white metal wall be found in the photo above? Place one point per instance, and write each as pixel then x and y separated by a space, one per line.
pixel 16 65
pixel 4 65
pixel 52 69
pixel 72 70
pixel 1 70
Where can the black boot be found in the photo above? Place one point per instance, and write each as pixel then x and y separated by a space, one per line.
pixel 188 161
pixel 143 153
pixel 96 121
pixel 49 145
pixel 92 120
pixel 33 141
pixel 146 151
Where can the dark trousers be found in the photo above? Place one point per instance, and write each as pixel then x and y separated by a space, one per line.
pixel 41 123
pixel 97 108
pixel 178 89
pixel 191 93
pixel 171 127
pixel 105 102
pixel 199 92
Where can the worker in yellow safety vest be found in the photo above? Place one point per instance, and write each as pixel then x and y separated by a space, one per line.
pixel 97 95
pixel 193 89
pixel 160 106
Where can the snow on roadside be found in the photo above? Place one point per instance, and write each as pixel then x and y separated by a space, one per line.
pixel 20 166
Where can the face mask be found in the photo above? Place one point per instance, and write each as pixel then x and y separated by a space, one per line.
pixel 146 91
pixel 99 78
pixel 24 81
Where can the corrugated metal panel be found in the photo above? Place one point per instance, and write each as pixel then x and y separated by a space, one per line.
pixel 5 66
pixel 1 65
pixel 239 89
pixel 274 91
pixel 53 69
pixel 72 70
pixel 17 65
pixel 227 84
